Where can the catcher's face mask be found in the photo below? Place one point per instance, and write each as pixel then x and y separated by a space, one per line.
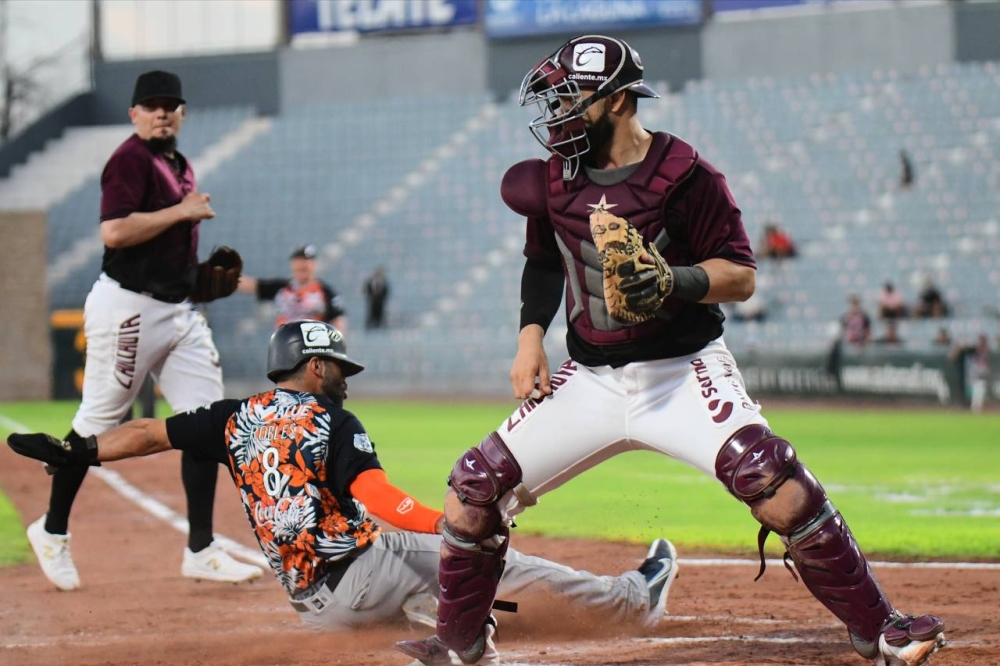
pixel 591 62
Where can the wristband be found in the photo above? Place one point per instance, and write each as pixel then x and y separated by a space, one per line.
pixel 690 283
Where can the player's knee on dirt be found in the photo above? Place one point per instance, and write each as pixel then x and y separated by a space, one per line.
pixel 762 471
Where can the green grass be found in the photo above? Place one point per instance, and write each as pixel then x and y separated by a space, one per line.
pixel 911 484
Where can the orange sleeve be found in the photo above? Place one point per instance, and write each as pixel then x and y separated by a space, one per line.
pixel 372 488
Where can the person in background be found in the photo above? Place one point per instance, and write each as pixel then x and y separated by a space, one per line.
pixel 856 323
pixel 304 296
pixel 890 303
pixel 906 175
pixel 977 358
pixel 891 337
pixel 931 303
pixel 776 244
pixel 943 338
pixel 376 292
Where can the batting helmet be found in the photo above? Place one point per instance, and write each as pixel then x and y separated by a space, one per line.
pixel 296 342
pixel 590 62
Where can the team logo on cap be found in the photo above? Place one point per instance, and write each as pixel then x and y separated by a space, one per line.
pixel 315 335
pixel 588 57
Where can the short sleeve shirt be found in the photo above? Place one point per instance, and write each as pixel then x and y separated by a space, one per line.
pixel 294 457
pixel 137 180
pixel 312 300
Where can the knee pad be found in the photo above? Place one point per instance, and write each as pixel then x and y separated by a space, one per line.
pixel 482 476
pixel 761 470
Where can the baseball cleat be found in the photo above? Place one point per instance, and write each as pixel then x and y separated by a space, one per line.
pixel 433 652
pixel 215 564
pixel 659 569
pixel 52 551
pixel 910 641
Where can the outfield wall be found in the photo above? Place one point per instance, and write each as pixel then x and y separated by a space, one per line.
pixel 24 345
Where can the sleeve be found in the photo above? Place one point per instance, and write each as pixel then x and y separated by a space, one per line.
pixel 123 184
pixel 541 293
pixel 268 289
pixel 540 243
pixel 351 452
pixel 373 489
pixel 333 302
pixel 202 431
pixel 715 222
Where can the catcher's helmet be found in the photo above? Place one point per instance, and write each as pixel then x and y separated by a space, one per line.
pixel 589 62
pixel 296 342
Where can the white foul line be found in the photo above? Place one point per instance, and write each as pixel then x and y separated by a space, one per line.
pixel 153 506
pixel 179 523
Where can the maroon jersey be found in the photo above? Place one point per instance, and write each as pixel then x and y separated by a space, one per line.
pixel 678 202
pixel 137 180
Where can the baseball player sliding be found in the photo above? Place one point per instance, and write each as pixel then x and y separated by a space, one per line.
pixel 139 320
pixel 647 239
pixel 308 475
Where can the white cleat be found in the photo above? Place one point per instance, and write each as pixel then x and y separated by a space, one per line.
pixel 215 564
pixel 52 551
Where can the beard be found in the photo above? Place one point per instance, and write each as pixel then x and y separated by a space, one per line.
pixel 162 146
pixel 335 388
pixel 599 135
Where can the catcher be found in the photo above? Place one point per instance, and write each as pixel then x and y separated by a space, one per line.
pixel 139 321
pixel 308 475
pixel 647 239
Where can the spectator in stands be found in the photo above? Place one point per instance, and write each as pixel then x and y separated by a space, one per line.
pixel 931 303
pixel 977 358
pixel 890 303
pixel 376 292
pixel 776 244
pixel 304 296
pixel 906 175
pixel 943 338
pixel 856 323
pixel 891 337
pixel 752 309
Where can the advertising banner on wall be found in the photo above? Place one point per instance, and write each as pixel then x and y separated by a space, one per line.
pixel 367 16
pixel 520 18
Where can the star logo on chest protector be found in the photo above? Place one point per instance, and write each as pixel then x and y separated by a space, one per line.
pixel 601 206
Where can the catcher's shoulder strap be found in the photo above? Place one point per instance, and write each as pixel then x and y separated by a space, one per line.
pixel 523 188
pixel 668 163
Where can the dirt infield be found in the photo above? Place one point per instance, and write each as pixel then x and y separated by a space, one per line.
pixel 135 608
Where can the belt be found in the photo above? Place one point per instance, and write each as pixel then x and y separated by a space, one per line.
pixel 319 595
pixel 166 298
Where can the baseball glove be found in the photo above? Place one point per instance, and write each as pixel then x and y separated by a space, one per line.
pixel 218 275
pixel 636 277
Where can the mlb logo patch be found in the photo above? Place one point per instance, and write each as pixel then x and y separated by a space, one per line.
pixel 588 57
pixel 362 443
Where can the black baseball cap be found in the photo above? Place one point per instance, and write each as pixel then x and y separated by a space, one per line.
pixel 157 84
pixel 304 252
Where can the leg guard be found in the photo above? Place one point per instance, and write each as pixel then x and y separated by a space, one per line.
pixel 474 544
pixel 762 471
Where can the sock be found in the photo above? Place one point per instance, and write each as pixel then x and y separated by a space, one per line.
pixel 199 478
pixel 65 484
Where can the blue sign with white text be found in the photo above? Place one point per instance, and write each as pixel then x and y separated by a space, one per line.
pixel 517 18
pixel 378 15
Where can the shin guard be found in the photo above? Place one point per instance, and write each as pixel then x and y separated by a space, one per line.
pixel 468 579
pixel 762 471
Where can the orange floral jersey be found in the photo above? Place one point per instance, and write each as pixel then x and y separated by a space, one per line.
pixel 293 455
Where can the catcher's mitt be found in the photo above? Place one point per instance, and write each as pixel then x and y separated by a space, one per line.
pixel 218 275
pixel 634 288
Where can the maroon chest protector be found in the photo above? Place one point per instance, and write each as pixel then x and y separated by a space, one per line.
pixel 641 199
